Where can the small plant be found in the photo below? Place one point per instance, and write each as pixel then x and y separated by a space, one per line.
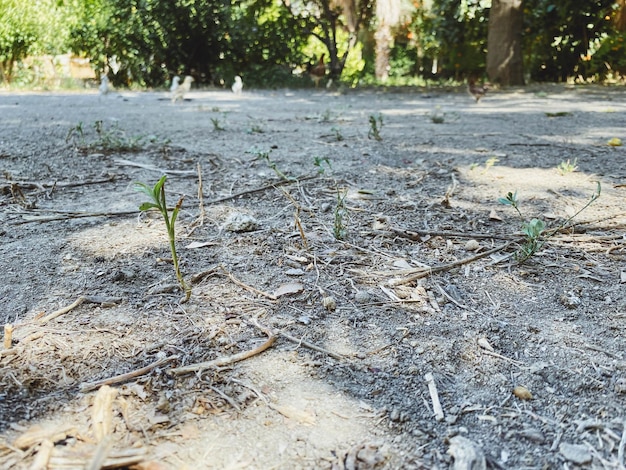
pixel 217 126
pixel 77 135
pixel 215 109
pixel 438 116
pixel 337 133
pixel 376 125
pixel 491 161
pixel 325 116
pixel 256 129
pixel 158 201
pixel 341 213
pixel 319 163
pixel 535 230
pixel 566 167
pixel 260 155
pixel 115 139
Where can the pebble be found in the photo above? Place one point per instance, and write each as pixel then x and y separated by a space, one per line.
pixel 576 453
pixel 238 222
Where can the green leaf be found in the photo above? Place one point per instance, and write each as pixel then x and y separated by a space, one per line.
pixel 147 206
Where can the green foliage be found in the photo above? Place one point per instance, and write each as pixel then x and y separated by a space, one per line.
pixel 158 201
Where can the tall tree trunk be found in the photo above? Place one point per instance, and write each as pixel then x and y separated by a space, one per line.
pixel 504 43
pixel 384 41
pixel 620 17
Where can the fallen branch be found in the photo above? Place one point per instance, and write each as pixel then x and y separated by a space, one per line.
pixel 261 189
pixel 121 161
pixel 418 234
pixel 247 287
pixel 295 340
pixel 89 386
pixel 73 215
pixel 423 272
pixel 57 184
pixel 105 301
pixel 224 361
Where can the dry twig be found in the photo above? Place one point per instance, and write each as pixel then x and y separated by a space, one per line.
pixel 224 361
pixel 87 387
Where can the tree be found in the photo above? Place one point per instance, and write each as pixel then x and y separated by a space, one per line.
pixel 504 42
pixel 325 19
pixel 389 14
pixel 18 33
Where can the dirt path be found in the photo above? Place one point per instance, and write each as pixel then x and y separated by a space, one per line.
pixel 528 361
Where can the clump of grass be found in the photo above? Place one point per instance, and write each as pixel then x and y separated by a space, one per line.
pixel 567 167
pixel 112 139
pixel 217 126
pixel 337 133
pixel 158 201
pixel 319 163
pixel 376 125
pixel 325 116
pixel 534 230
pixel 437 116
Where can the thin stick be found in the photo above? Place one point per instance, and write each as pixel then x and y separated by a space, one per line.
pixel 200 195
pixel 423 272
pixel 417 234
pixel 223 361
pixel 434 396
pixel 297 341
pixel 250 288
pixel 62 311
pixel 261 189
pixel 622 447
pixel 87 387
pixel 56 184
pixel 153 168
pixel 73 215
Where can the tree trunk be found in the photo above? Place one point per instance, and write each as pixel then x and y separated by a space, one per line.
pixel 384 40
pixel 504 43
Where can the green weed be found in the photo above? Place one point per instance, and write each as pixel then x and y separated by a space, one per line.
pixel 566 167
pixel 376 125
pixel 319 163
pixel 217 126
pixel 534 231
pixel 158 201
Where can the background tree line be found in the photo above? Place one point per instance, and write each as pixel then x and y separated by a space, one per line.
pixel 145 42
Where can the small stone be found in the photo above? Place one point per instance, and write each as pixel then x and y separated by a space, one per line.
pixel 394 415
pixel 238 222
pixel 570 300
pixel 362 297
pixel 522 393
pixel 329 303
pixel 620 385
pixel 578 454
pixel 472 245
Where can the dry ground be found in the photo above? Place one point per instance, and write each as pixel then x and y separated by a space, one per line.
pixel 402 308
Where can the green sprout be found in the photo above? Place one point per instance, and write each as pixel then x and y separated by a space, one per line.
pixel 319 163
pixel 566 167
pixel 157 196
pixel 376 124
pixel 216 124
pixel 535 230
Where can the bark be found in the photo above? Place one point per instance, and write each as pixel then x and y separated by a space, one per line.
pixel 384 40
pixel 504 43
